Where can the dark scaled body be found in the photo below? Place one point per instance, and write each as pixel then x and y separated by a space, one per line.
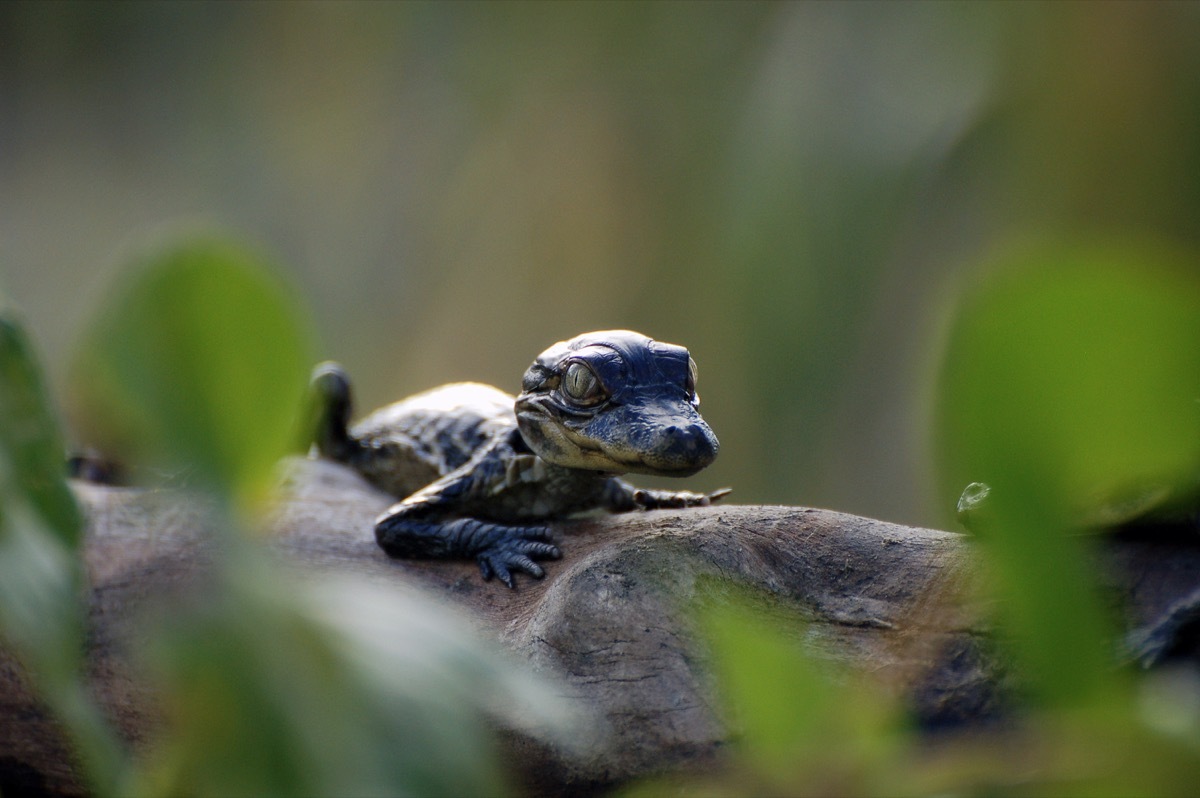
pixel 479 472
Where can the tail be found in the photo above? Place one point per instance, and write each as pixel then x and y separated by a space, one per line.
pixel 330 407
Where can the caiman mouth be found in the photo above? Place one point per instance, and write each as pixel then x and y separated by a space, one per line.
pixel 640 466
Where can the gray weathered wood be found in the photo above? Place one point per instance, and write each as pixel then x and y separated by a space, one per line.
pixel 610 618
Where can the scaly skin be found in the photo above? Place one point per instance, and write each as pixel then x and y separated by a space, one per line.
pixel 479 474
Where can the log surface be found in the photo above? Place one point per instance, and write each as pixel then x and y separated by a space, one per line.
pixel 610 620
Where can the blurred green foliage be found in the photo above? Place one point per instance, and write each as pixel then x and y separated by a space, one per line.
pixel 1071 387
pixel 41 568
pixel 1073 377
pixel 200 362
pixel 274 687
pixel 327 686
pixel 801 726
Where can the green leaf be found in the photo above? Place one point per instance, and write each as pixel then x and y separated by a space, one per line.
pixel 799 722
pixel 1080 367
pixel 41 575
pixel 1069 386
pixel 199 363
pixel 32 457
pixel 333 687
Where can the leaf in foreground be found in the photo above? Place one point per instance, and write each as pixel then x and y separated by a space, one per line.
pixel 41 573
pixel 1070 387
pixel 198 365
pixel 335 687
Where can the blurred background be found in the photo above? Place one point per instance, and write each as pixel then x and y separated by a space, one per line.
pixel 794 191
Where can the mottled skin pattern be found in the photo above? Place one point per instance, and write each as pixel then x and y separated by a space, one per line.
pixel 479 472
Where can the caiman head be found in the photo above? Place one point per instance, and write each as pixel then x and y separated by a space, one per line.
pixel 616 401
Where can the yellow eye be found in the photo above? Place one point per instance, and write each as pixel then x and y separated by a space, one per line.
pixel 581 385
pixel 691 381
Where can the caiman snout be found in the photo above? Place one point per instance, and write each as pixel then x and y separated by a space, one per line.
pixel 683 449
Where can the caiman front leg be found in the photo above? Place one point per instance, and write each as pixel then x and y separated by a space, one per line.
pixel 621 497
pixel 432 524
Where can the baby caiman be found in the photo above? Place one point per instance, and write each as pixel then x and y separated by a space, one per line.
pixel 480 473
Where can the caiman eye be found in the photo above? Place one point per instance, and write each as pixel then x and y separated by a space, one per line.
pixel 581 385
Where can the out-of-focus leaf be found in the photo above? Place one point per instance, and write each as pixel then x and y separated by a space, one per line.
pixel 39 575
pixel 334 687
pixel 779 700
pixel 276 686
pixel 199 363
pixel 1070 384
pixel 800 726
pixel 31 453
pixel 41 614
pixel 1077 367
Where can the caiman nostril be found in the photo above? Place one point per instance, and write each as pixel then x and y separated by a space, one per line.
pixel 693 442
